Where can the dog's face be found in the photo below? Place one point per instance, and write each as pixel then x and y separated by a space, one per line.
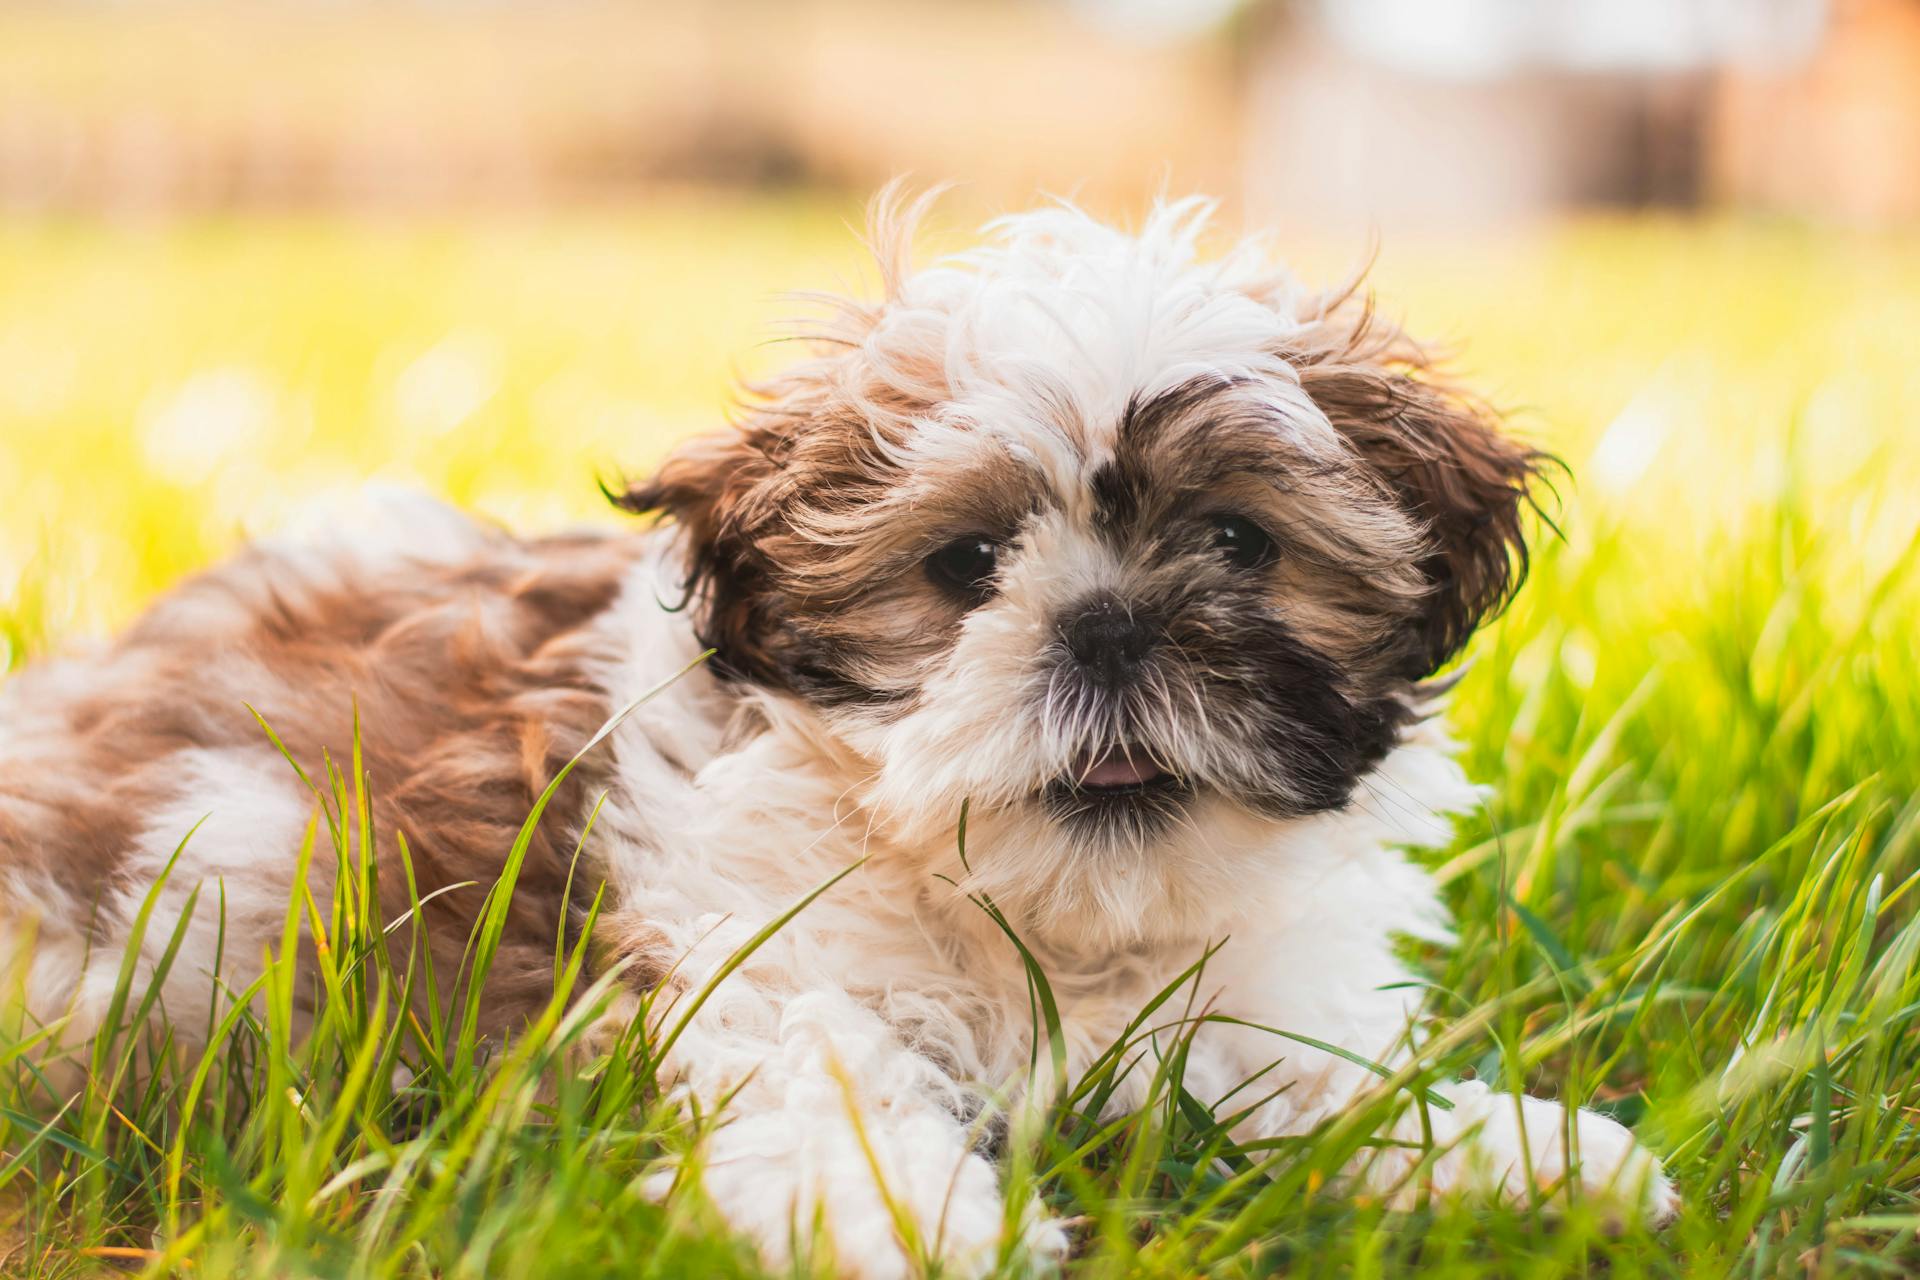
pixel 1133 555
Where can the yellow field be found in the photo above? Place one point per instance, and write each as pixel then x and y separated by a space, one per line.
pixel 165 390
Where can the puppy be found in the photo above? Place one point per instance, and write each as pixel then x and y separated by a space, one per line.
pixel 1143 562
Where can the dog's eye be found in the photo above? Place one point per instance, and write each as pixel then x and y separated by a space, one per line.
pixel 966 565
pixel 1244 544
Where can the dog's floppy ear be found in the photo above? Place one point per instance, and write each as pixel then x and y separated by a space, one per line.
pixel 716 488
pixel 1444 456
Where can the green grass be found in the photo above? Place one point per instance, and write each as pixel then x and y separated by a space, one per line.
pixel 1691 900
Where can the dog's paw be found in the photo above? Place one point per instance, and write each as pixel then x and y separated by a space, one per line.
pixel 1614 1167
pixel 905 1202
pixel 1517 1149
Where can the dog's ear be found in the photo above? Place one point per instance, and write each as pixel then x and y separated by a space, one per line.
pixel 1444 456
pixel 716 487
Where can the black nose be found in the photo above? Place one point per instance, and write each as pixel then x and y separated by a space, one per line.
pixel 1110 641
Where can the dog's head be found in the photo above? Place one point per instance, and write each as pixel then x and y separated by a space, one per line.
pixel 1133 553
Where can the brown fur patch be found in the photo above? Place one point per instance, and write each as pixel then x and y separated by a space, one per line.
pixel 1347 576
pixel 1443 454
pixel 629 938
pixel 799 520
pixel 472 682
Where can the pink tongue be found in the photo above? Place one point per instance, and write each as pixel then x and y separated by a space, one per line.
pixel 1120 769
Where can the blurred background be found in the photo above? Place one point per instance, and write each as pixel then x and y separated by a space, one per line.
pixel 252 253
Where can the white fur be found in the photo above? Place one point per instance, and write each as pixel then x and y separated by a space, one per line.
pixel 237 822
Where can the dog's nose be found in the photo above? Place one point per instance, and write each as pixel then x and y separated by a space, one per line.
pixel 1110 642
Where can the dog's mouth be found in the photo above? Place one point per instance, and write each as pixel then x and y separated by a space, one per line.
pixel 1121 792
pixel 1120 770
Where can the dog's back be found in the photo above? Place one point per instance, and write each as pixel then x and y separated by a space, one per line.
pixel 468 659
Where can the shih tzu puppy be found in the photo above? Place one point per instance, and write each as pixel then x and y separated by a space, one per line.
pixel 1143 561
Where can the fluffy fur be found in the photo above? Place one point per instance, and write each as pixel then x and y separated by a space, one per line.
pixel 1140 559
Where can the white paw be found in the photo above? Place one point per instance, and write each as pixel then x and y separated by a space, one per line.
pixel 1521 1151
pixel 1614 1166
pixel 1045 1241
pixel 802 1194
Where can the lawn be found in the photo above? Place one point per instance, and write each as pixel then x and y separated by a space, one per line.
pixel 1691 899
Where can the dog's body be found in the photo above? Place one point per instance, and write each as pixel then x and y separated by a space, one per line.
pixel 1139 561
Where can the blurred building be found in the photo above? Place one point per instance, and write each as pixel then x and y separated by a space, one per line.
pixel 1836 135
pixel 245 102
pixel 1385 112
pixel 1450 112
